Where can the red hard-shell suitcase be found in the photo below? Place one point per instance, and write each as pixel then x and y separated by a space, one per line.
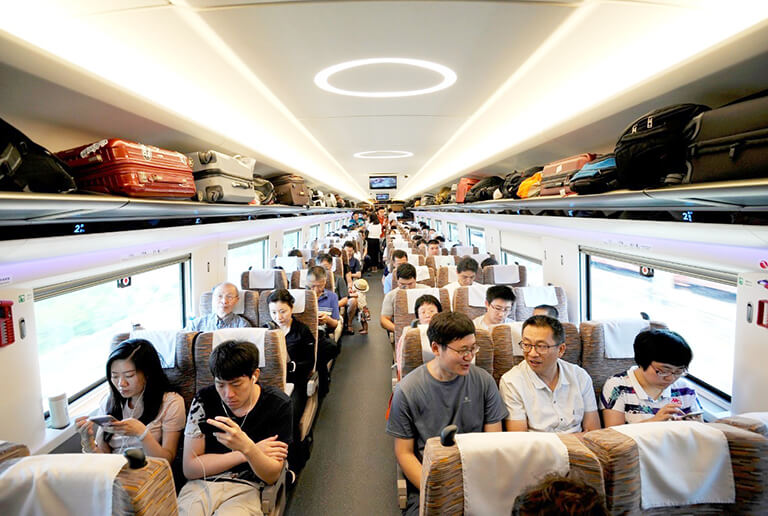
pixel 555 176
pixel 465 183
pixel 117 166
pixel 290 189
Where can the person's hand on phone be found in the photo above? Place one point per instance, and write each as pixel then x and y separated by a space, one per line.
pixel 670 411
pixel 130 426
pixel 85 428
pixel 322 317
pixel 230 434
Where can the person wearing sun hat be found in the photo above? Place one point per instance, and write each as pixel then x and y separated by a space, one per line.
pixel 358 301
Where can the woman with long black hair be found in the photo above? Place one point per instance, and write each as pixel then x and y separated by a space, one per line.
pixel 146 411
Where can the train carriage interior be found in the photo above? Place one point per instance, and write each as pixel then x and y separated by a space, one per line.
pixel 177 175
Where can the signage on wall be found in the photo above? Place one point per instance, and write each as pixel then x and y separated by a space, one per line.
pixel 124 282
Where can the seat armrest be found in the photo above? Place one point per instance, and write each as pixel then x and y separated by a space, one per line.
pixel 402 489
pixel 271 495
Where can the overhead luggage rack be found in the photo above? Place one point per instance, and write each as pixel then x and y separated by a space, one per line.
pixel 26 215
pixel 731 196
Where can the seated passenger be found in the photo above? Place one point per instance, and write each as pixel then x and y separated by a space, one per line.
pixel 399 257
pixel 339 285
pixel 488 262
pixel 225 298
pixel 560 496
pixel 651 390
pixel 447 390
pixel 499 300
pixel 406 279
pixel 548 310
pixel 426 307
pixel 441 239
pixel 466 270
pixel 149 414
pixel 433 248
pixel 237 436
pixel 295 252
pixel 327 319
pixel 300 344
pixel 544 393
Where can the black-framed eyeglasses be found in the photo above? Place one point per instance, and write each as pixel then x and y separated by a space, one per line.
pixel 465 353
pixel 540 348
pixel 670 374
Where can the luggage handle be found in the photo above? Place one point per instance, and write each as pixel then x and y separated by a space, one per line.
pixel 152 177
pixel 245 186
pixel 10 160
pixel 93 159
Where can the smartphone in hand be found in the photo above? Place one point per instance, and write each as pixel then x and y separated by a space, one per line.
pixel 103 420
pixel 691 415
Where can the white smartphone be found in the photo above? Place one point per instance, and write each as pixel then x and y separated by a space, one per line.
pixel 691 415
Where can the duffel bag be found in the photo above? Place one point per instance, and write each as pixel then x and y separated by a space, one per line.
pixel 483 189
pixel 653 147
pixel 531 187
pixel 512 181
pixel 597 176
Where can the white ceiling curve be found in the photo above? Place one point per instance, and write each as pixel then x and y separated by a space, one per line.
pixel 245 70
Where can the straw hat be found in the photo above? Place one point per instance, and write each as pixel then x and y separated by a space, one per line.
pixel 360 285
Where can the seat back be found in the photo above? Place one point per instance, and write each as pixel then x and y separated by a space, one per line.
pixel 182 374
pixel 299 280
pixel 619 458
pixel 289 263
pixel 413 356
pixel 424 275
pixel 275 358
pixel 248 308
pixel 462 303
pixel 524 306
pixel 437 263
pixel 404 314
pixel 463 250
pixel 593 353
pixel 280 281
pixel 445 275
pixel 753 421
pixel 308 315
pixel 504 275
pixel 507 354
pixel 442 477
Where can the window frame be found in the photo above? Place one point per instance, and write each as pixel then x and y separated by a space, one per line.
pixel 716 276
pixel 453 227
pixel 245 243
pixel 296 232
pixel 469 236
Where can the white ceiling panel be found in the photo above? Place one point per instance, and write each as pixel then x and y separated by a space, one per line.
pixel 86 7
pixel 287 44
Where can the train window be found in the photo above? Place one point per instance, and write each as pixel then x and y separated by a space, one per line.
pixel 328 227
pixel 291 241
pixel 438 226
pixel 453 232
pixel 700 307
pixel 244 255
pixel 533 268
pixel 76 321
pixel 476 237
pixel 314 232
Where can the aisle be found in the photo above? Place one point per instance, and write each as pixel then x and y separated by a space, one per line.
pixel 352 468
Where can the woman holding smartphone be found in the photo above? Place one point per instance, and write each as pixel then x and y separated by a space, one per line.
pixel 146 411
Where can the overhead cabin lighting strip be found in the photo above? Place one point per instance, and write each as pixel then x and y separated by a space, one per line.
pixel 724 277
pixel 66 287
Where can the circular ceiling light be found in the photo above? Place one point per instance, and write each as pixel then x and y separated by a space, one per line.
pixel 449 77
pixel 387 154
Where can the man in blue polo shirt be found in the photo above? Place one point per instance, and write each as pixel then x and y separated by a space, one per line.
pixel 328 319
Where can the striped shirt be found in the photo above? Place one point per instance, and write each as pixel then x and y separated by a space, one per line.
pixel 624 393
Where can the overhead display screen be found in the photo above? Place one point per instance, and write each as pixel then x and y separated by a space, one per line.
pixel 382 182
pixel 382 196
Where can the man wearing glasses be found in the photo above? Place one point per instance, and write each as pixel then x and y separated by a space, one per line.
pixel 652 390
pixel 447 390
pixel 499 301
pixel 225 298
pixel 328 319
pixel 544 393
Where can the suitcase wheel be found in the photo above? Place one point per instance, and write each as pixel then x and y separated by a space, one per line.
pixel 213 194
pixel 206 157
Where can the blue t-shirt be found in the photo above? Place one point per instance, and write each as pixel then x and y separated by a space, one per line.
pixel 354 265
pixel 387 283
pixel 329 302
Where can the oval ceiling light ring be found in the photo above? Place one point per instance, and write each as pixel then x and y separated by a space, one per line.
pixel 449 77
pixel 393 154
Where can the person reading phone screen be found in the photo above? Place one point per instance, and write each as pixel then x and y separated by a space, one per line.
pixel 653 389
pixel 328 319
pixel 147 413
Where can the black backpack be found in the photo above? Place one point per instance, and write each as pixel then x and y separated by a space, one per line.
pixel 28 167
pixel 512 182
pixel 651 151
pixel 483 189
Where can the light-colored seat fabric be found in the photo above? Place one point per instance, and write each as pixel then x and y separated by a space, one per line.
pixel 618 456
pixel 442 483
pixel 446 275
pixel 250 302
pixel 330 284
pixel 495 275
pixel 593 358
pixel 281 281
pixel 429 279
pixel 436 264
pixel 461 303
pixel 523 311
pixel 413 356
pixel 403 317
pixel 744 421
pixel 506 353
pixel 463 250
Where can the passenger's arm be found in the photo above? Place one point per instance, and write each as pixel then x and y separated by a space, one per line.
pixel 343 301
pixel 386 323
pixel 166 450
pixel 197 464
pixel 591 421
pixel 516 425
pixel 408 462
pixel 613 417
pixel 328 321
pixel 492 427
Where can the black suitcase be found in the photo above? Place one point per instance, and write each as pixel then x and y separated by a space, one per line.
pixel 729 143
pixel 27 166
pixel 483 189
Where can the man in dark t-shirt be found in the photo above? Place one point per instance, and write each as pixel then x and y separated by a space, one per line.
pixel 236 438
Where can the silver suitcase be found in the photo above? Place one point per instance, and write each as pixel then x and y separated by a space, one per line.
pixel 222 178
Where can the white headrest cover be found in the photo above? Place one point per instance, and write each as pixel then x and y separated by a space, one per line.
pixel 415 293
pixel 506 274
pixel 252 335
pixel 261 278
pixel 299 299
pixel 535 296
pixel 620 336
